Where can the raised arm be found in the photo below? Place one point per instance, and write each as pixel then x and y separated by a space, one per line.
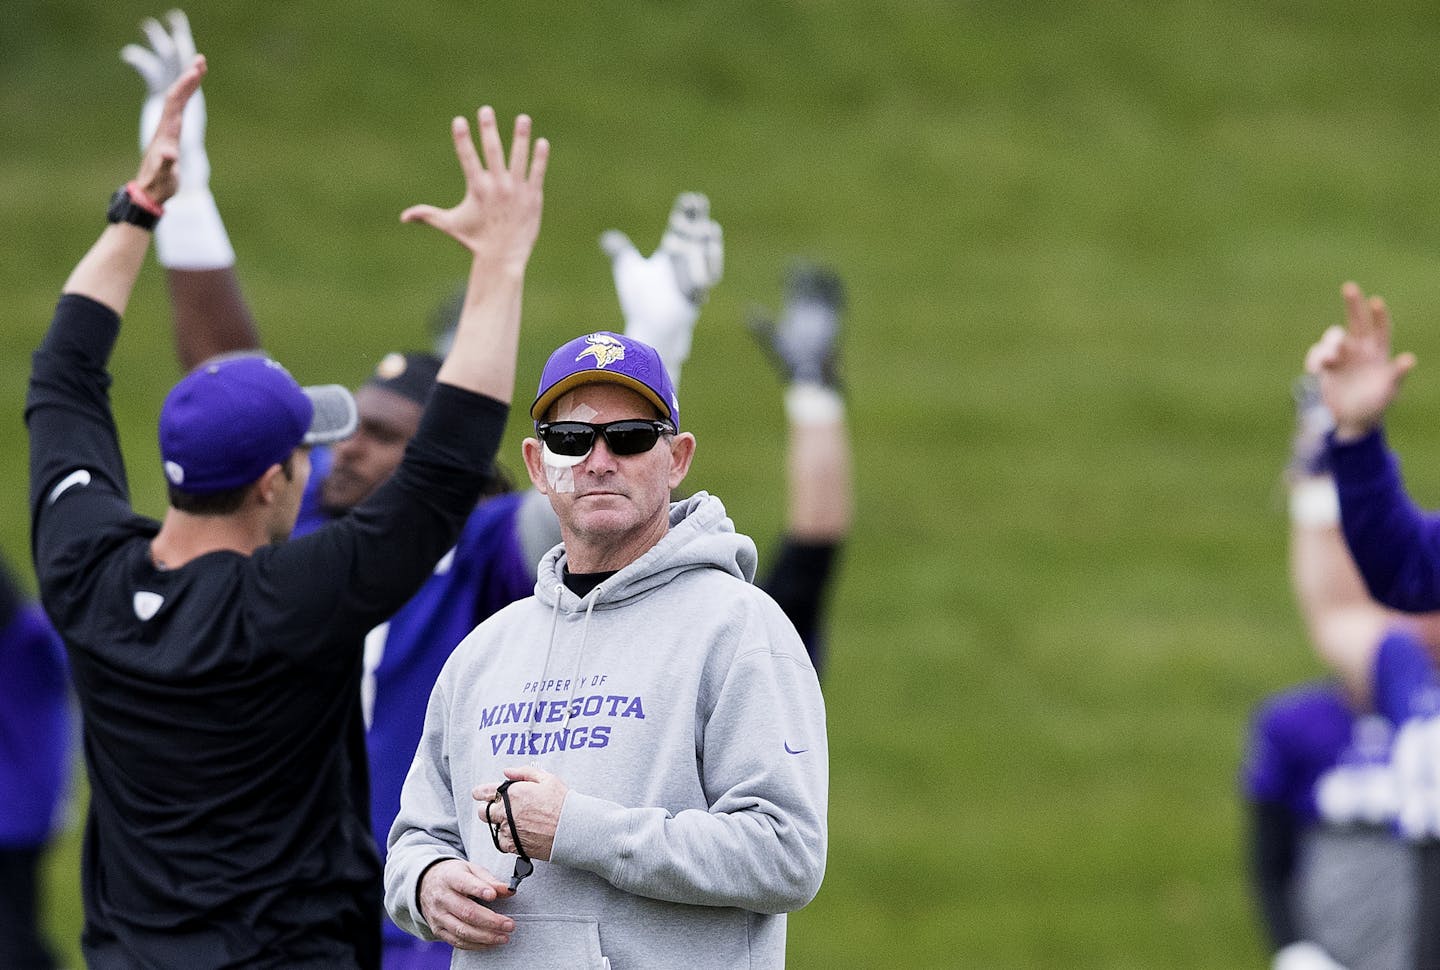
pixel 107 273
pixel 819 485
pixel 209 310
pixel 498 220
pixel 1345 624
pixel 1394 543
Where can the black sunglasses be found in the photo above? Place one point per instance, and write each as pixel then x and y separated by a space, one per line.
pixel 574 439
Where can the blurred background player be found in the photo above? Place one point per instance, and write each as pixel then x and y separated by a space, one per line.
pixel 803 344
pixel 1325 773
pixel 36 735
pixel 1396 548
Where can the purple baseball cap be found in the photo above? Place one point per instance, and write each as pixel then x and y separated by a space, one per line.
pixel 606 357
pixel 235 415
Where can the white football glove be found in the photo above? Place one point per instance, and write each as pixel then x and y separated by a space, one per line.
pixel 1304 956
pixel 660 296
pixel 159 65
pixel 191 234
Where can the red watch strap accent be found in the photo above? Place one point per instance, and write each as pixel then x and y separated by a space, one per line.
pixel 142 198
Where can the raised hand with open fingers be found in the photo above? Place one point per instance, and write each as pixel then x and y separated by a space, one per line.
pixel 498 219
pixel 1359 377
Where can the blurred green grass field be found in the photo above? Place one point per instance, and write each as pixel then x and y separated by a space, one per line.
pixel 1086 245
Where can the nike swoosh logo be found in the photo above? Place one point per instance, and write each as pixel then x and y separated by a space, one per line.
pixel 790 750
pixel 79 476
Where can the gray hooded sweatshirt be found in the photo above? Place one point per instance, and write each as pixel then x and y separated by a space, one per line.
pixel 678 704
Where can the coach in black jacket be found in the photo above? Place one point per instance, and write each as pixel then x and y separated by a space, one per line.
pixel 217 666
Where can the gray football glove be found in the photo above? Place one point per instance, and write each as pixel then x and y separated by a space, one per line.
pixel 803 342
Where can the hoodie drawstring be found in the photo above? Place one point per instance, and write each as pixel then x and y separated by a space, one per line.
pixel 593 598
pixel 580 654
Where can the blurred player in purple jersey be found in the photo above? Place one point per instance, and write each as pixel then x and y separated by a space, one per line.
pixel 1331 878
pixel 36 731
pixel 495 559
pixel 1394 544
pixel 1335 773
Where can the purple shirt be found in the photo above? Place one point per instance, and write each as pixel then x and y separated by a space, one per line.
pixel 36 728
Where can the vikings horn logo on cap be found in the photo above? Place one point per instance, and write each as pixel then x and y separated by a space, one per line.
pixel 604 348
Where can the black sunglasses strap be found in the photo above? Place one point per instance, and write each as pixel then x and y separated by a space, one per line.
pixel 523 865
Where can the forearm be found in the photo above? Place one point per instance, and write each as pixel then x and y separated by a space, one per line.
pixel 406 863
pixel 760 842
pixel 798 580
pixel 67 414
pixel 425 830
pixel 487 337
pixel 108 271
pixel 818 474
pixel 753 860
pixel 211 315
pixel 1344 622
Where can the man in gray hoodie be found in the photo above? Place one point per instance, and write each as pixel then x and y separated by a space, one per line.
pixel 645 735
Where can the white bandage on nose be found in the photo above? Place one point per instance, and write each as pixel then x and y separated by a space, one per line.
pixel 559 469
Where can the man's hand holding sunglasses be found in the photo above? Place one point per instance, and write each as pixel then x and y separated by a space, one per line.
pixel 536 797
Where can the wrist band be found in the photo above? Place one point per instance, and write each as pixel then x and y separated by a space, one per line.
pixel 192 235
pixel 808 403
pixel 1314 502
pixel 142 198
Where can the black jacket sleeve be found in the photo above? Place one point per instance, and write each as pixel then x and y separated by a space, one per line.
pixel 356 571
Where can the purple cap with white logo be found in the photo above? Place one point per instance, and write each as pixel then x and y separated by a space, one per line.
pixel 234 416
pixel 606 357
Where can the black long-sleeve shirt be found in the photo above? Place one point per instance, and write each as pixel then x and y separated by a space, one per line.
pixel 228 821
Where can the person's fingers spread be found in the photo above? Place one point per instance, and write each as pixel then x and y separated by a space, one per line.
pixel 1357 312
pixel 465 150
pixel 490 146
pixel 520 147
pixel 539 162
pixel 1380 315
pixel 420 213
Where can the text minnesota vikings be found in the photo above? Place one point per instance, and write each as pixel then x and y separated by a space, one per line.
pixel 539 711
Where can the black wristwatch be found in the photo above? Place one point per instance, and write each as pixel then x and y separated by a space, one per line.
pixel 124 208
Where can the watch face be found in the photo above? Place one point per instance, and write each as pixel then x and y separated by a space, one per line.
pixel 118 202
pixel 123 209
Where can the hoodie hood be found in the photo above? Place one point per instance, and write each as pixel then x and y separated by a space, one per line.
pixel 701 536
